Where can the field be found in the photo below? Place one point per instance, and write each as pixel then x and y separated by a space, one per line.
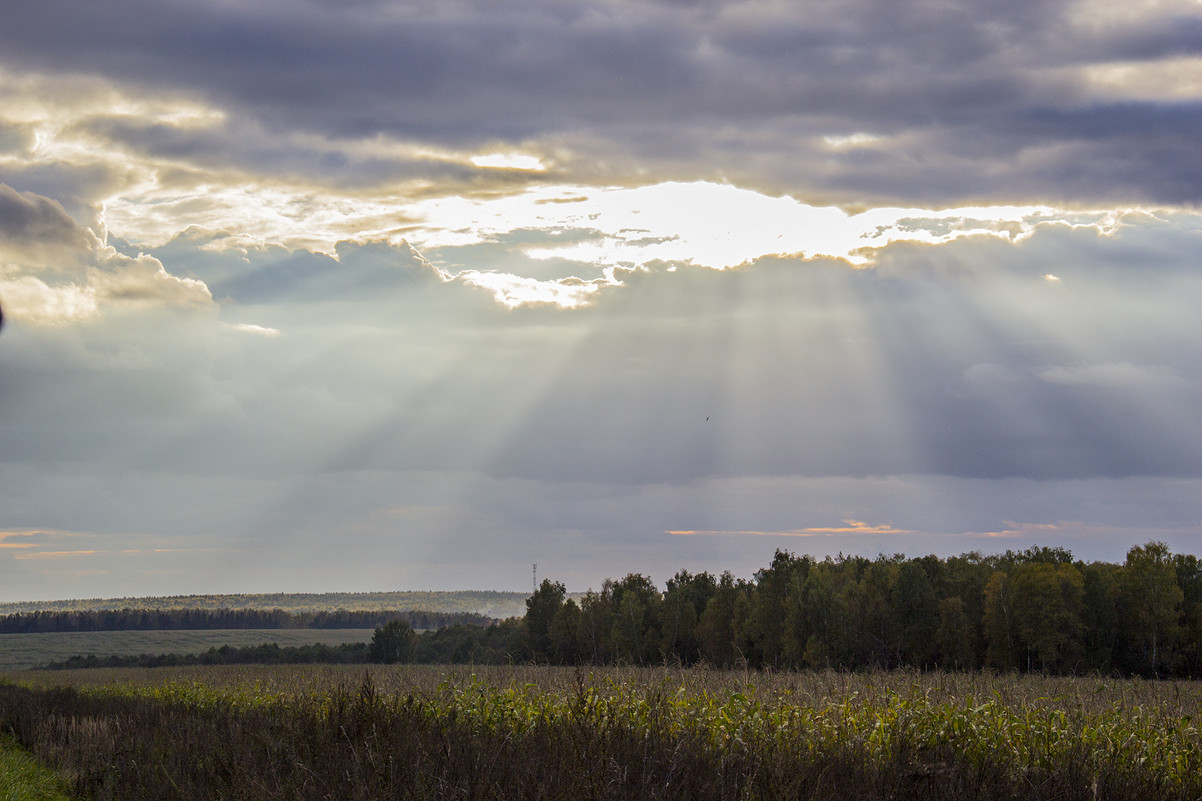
pixel 23 651
pixel 490 603
pixel 322 732
pixel 22 778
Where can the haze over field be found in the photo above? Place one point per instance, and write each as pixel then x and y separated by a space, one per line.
pixel 311 296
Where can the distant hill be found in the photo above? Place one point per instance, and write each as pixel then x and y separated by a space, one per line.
pixel 482 602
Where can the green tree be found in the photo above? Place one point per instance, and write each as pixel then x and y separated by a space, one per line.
pixel 823 617
pixel 999 623
pixel 874 616
pixel 954 635
pixel 683 603
pixel 1189 579
pixel 769 600
pixel 965 577
pixel 635 632
pixel 540 612
pixel 1047 607
pixel 716 627
pixel 566 647
pixel 393 642
pixel 916 615
pixel 596 624
pixel 1098 630
pixel 1150 600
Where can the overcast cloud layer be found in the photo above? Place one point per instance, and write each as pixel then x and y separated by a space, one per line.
pixel 351 296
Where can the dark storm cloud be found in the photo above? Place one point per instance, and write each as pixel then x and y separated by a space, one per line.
pixel 28 220
pixel 977 100
pixel 247 146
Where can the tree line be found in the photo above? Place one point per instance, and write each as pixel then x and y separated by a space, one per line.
pixel 395 641
pixel 132 619
pixel 1036 610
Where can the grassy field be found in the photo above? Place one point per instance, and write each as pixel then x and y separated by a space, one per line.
pixel 23 779
pixel 490 603
pixel 23 651
pixel 322 732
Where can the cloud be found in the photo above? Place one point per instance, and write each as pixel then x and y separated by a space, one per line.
pixel 54 554
pixel 256 330
pixel 29 222
pixel 852 527
pixel 513 290
pixel 862 103
pixel 53 270
pixel 561 279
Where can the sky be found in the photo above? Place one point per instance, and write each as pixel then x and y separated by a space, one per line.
pixel 365 295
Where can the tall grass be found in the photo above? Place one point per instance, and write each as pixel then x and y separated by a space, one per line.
pixel 23 779
pixel 527 733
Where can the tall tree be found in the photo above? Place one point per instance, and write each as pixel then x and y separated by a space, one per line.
pixel 764 627
pixel 635 632
pixel 1189 579
pixel 684 601
pixel 716 628
pixel 916 614
pixel 1098 630
pixel 954 635
pixel 1048 606
pixel 540 612
pixel 877 629
pixel 999 622
pixel 1150 600
pixel 566 641
pixel 596 623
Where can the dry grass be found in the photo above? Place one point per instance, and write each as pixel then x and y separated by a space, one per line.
pixel 318 732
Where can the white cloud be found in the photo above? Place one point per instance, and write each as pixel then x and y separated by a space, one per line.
pixel 1166 80
pixel 859 139
pixel 256 330
pixel 513 291
pixel 29 299
pixel 508 161
pixel 55 271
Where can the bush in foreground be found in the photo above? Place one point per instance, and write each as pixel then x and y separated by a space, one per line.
pixel 603 738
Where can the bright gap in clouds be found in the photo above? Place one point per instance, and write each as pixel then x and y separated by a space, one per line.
pixel 579 235
pixel 508 161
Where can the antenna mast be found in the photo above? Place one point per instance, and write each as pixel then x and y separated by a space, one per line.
pixel 534 572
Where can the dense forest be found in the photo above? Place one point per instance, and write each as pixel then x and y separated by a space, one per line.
pixel 137 619
pixel 1036 610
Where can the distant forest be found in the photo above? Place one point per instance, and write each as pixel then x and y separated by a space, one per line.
pixel 490 603
pixel 1036 611
pixel 210 619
